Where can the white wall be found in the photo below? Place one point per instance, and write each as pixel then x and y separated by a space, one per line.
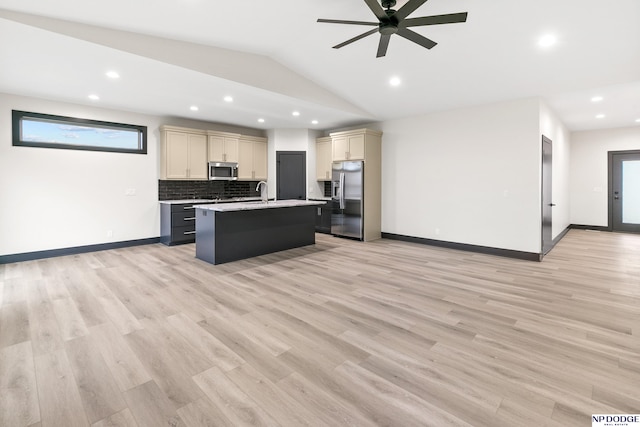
pixel 468 176
pixel 294 140
pixel 52 199
pixel 589 171
pixel 554 129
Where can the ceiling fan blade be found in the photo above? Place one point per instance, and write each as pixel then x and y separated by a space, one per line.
pixel 377 10
pixel 451 18
pixel 383 45
pixel 416 38
pixel 356 38
pixel 408 8
pixel 339 21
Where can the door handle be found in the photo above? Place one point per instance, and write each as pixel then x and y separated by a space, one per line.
pixel 342 203
pixel 552 204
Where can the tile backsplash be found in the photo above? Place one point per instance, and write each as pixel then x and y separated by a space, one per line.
pixel 179 190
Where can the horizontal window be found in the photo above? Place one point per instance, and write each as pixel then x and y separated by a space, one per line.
pixel 45 130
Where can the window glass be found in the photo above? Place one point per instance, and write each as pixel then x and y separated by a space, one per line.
pixel 631 191
pixel 42 130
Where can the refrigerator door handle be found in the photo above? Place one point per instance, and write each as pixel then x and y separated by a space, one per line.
pixel 342 190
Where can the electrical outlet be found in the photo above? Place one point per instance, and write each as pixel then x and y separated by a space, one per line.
pixel 109 233
pixel 437 231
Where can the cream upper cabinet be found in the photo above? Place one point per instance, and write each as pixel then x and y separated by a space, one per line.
pixel 252 158
pixel 198 168
pixel 348 146
pixel 323 159
pixel 223 147
pixel 183 154
pixel 260 160
pixel 245 160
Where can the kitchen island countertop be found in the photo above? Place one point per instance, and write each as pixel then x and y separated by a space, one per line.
pixel 196 201
pixel 245 206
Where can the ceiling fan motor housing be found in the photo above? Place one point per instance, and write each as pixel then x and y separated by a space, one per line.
pixel 390 25
pixel 388 28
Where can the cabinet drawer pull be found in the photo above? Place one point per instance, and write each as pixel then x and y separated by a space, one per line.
pixel 188 207
pixel 190 219
pixel 189 232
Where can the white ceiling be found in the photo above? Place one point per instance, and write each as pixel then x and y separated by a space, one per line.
pixel 274 58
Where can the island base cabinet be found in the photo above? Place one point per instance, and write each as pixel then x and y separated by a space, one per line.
pixel 229 236
pixel 323 219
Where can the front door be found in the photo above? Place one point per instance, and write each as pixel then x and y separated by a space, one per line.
pixel 624 191
pixel 547 201
pixel 291 175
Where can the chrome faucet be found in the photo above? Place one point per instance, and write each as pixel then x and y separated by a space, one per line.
pixel 264 192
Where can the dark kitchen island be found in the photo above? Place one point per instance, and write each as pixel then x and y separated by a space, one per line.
pixel 234 231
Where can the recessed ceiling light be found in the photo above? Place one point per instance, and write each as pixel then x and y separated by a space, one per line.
pixel 547 40
pixel 228 98
pixel 194 108
pixel 296 113
pixel 314 122
pixel 94 97
pixel 395 81
pixel 261 120
pixel 597 99
pixel 600 116
pixel 112 75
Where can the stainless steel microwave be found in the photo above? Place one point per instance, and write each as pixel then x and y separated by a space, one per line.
pixel 224 171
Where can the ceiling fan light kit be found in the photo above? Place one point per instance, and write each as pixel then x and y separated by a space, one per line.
pixel 392 22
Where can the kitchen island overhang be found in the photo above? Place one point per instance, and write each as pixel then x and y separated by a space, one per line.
pixel 235 231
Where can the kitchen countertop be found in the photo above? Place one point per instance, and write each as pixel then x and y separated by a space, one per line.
pixel 244 206
pixel 196 201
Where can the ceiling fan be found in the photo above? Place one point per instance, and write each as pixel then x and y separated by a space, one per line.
pixel 396 22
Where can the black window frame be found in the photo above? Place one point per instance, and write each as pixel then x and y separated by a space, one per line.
pixel 17 117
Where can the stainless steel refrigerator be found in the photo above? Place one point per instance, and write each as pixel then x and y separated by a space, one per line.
pixel 347 198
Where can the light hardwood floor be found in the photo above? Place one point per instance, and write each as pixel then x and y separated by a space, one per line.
pixel 341 333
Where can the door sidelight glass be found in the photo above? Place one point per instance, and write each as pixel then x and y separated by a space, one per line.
pixel 630 192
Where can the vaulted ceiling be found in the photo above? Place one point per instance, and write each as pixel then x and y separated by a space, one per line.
pixel 273 58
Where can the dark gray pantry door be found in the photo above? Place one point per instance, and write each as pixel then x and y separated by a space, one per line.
pixel 291 175
pixel 624 191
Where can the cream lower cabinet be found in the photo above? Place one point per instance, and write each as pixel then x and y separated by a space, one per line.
pixel 323 159
pixel 252 158
pixel 223 147
pixel 183 154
